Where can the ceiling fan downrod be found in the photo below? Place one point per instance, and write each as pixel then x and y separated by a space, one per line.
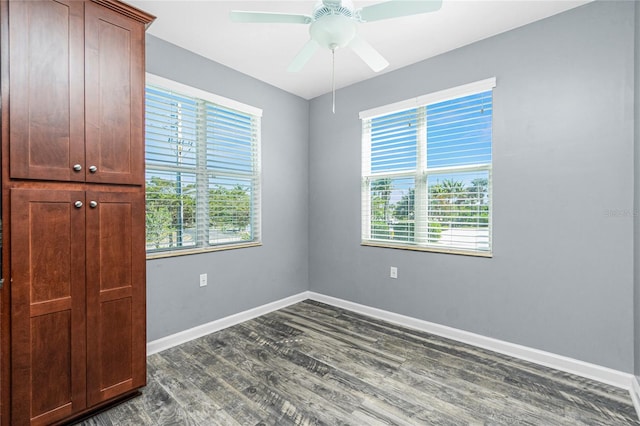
pixel 333 79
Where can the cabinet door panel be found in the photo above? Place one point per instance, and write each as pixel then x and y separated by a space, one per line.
pixel 47 89
pixel 114 97
pixel 51 366
pixel 116 358
pixel 48 305
pixel 116 317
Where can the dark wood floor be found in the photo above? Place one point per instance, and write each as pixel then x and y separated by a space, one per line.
pixel 313 364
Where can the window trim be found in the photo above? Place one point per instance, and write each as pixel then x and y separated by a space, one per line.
pixel 420 172
pixel 183 89
pixel 430 98
pixel 194 92
pixel 200 250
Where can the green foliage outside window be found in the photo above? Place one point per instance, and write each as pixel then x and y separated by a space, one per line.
pixel 451 204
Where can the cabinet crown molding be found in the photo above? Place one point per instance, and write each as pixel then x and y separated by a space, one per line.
pixel 128 10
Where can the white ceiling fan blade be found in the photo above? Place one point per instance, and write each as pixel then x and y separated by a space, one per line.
pixel 398 8
pixel 303 56
pixel 268 17
pixel 368 54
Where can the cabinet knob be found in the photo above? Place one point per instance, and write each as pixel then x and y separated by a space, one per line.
pixel 77 167
pixel 93 204
pixel 78 204
pixel 93 169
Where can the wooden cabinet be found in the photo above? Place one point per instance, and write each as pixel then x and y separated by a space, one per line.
pixel 48 325
pixel 76 71
pixel 115 274
pixel 72 311
pixel 78 324
pixel 114 97
pixel 46 66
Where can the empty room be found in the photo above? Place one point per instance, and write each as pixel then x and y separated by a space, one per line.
pixel 334 212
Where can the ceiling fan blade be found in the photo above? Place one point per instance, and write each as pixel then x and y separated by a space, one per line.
pixel 368 54
pixel 303 56
pixel 268 17
pixel 397 8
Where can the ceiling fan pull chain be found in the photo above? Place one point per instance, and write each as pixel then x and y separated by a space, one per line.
pixel 333 79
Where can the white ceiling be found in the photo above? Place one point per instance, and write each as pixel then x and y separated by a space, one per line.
pixel 264 51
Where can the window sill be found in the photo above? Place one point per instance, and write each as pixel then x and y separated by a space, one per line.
pixel 186 252
pixel 382 244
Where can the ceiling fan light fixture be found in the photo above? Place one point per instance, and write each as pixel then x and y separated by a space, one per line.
pixel 333 31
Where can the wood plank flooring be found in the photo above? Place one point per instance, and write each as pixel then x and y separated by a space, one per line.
pixel 314 364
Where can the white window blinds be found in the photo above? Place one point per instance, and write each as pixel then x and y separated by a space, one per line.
pixel 426 172
pixel 202 170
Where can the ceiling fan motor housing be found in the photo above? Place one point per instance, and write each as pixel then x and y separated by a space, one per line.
pixel 333 7
pixel 334 25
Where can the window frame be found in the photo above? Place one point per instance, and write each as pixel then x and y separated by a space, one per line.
pixel 203 172
pixel 421 172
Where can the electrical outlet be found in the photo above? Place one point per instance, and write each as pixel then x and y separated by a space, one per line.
pixel 203 280
pixel 393 272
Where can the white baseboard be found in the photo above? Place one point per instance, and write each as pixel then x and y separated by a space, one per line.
pixel 635 394
pixel 591 371
pixel 181 337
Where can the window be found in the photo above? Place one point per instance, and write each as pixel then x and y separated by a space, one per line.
pixel 202 170
pixel 426 172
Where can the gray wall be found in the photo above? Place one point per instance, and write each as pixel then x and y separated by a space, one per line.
pixel 561 278
pixel 636 203
pixel 245 278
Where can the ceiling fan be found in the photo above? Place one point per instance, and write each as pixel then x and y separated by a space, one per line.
pixel 334 24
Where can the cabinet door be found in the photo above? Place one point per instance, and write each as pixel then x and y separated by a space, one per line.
pixel 47 305
pixel 114 75
pixel 116 317
pixel 46 57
